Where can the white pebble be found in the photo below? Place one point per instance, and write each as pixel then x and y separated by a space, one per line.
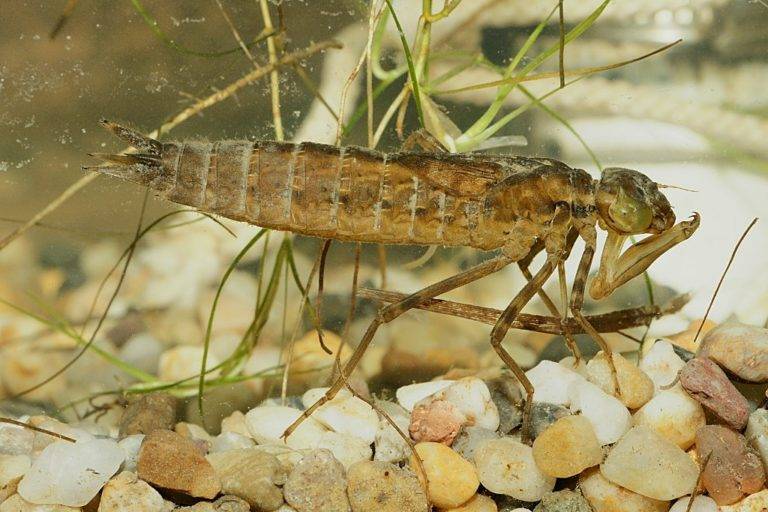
pixel 230 441
pixel 267 423
pixel 552 382
pixel 142 351
pixel 344 414
pixel 661 364
pixel 609 417
pixel 674 415
pixel 472 398
pixel 15 440
pixel 42 439
pixel 12 467
pixel 345 448
pixel 700 504
pixel 407 396
pixel 389 444
pixel 131 446
pixel 506 466
pixel 71 473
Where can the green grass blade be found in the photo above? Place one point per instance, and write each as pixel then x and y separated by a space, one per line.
pixel 414 79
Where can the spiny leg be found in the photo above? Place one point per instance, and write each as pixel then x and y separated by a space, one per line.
pixel 577 303
pixel 392 311
pixel 505 321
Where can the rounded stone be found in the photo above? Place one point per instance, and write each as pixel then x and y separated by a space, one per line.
pixel 125 492
pixel 267 424
pixel 605 496
pixel 472 399
pixel 609 417
pixel 552 382
pixel 703 379
pixel 636 388
pixel 674 415
pixel 739 348
pixel 384 487
pixel 317 484
pixel 452 480
pixel 408 396
pixel 563 501
pixel 477 503
pixel 506 466
pixel 437 421
pixel 661 364
pixel 251 475
pixel 700 504
pixel 648 464
pixel 567 447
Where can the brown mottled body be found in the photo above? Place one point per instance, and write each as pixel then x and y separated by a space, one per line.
pixel 351 193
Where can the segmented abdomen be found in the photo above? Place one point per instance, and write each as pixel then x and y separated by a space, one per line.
pixel 346 193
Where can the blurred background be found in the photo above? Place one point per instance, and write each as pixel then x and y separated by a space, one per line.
pixel 694 116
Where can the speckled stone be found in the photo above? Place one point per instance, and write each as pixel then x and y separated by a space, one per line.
pixel 732 469
pixel 171 461
pixel 605 496
pixel 148 413
pixel 646 463
pixel 609 417
pixel 703 379
pixel 567 448
pixel 251 475
pixel 544 414
pixel 563 501
pixel 452 480
pixel 739 348
pixel 505 393
pixel 384 487
pixel 125 493
pixel 317 484
pixel 469 439
pixel 757 502
pixel 437 421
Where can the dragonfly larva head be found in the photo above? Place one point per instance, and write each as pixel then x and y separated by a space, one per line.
pixel 145 167
pixel 630 203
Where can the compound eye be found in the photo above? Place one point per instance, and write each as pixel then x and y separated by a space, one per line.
pixel 629 214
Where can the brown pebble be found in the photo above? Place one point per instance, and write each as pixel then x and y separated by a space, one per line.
pixel 732 469
pixel 150 412
pixel 703 379
pixel 741 349
pixel 438 421
pixel 171 461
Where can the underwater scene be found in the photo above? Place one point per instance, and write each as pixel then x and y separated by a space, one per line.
pixel 384 255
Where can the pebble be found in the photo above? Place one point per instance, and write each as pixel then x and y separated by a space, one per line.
pixel 739 348
pixel 315 364
pixel 648 464
pixel 344 414
pixel 345 448
pixel 409 395
pixel 732 469
pixel 174 462
pixel 13 467
pixel 506 466
pixel 126 493
pixel 477 503
pixel 223 504
pixel 437 421
pixel 149 412
pixel 17 504
pixel 700 504
pixel 661 364
pixel 192 431
pixel 674 415
pixel 71 474
pixel 469 439
pixel 636 387
pixel 384 487
pixel 43 439
pixel 703 379
pixel 317 484
pixel 389 445
pixel 15 440
pixel 605 496
pixel 608 416
pixel 472 398
pixel 142 351
pixel 563 501
pixel 544 414
pixel 131 446
pixel 505 393
pixel 552 382
pixel 567 448
pixel 183 362
pixel 251 475
pixel 757 433
pixel 452 480
pixel 267 423
pixel 230 441
pixel 757 502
